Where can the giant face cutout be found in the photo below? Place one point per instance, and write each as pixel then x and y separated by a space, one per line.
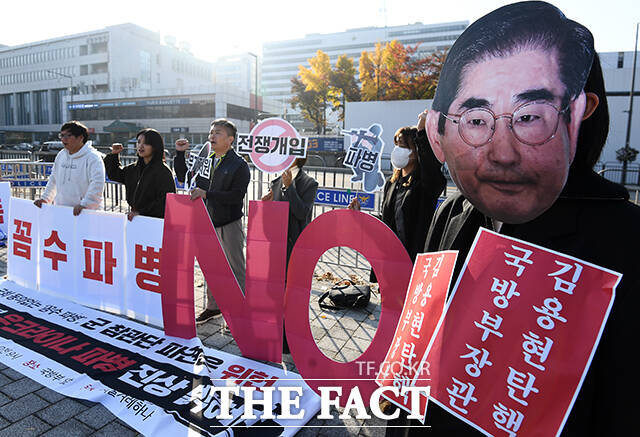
pixel 508 109
pixel 505 178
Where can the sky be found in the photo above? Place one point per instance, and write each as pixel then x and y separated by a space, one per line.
pixel 216 28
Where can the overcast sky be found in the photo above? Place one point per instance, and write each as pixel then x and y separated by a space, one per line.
pixel 214 28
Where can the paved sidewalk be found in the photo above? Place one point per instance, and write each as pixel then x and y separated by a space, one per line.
pixel 29 409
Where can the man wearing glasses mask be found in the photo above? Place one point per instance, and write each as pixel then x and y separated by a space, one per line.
pixel 520 118
pixel 77 177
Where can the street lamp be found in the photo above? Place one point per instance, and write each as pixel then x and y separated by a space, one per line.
pixel 256 88
pixel 630 111
pixel 70 82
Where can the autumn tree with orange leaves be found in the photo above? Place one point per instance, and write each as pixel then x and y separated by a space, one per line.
pixel 394 71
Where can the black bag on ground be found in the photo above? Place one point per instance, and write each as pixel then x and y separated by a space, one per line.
pixel 345 294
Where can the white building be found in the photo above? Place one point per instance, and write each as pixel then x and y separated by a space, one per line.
pixel 617 68
pixel 117 63
pixel 281 59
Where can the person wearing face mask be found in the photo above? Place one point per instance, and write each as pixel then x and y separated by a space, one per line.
pixel 411 193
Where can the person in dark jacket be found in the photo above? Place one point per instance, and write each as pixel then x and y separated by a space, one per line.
pixel 220 178
pixel 148 181
pixel 299 189
pixel 411 193
pixel 586 217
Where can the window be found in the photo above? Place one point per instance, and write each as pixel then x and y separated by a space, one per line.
pixel 7 109
pixel 24 108
pixel 57 100
pixel 84 50
pixel 620 59
pixel 41 107
pixel 84 70
pixel 99 47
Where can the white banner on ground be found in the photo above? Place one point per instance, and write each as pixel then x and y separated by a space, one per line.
pixel 5 198
pixel 22 257
pixel 161 386
pixel 144 243
pixel 90 258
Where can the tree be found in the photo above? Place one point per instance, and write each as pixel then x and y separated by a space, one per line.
pixel 370 69
pixel 397 72
pixel 343 85
pixel 309 103
pixel 317 79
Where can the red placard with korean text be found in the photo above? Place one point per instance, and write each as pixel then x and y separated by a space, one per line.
pixel 518 336
pixel 404 365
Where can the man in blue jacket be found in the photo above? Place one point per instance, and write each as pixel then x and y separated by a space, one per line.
pixel 221 180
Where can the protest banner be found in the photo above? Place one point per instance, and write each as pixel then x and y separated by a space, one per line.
pixel 527 323
pixel 156 384
pixel 272 145
pixel 363 156
pixel 98 258
pixel 255 318
pixel 405 364
pixel 22 256
pixel 5 197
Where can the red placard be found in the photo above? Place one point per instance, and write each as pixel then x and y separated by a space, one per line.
pixel 527 322
pixel 404 365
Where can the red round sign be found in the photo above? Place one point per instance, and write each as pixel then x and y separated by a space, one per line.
pixel 274 128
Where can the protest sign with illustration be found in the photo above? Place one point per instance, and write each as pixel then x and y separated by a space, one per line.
pixel 273 145
pixel 363 156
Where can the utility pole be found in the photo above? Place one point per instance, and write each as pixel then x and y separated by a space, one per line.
pixel 70 84
pixel 630 111
pixel 255 121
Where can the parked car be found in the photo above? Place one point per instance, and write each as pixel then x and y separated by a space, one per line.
pixel 49 150
pixel 51 146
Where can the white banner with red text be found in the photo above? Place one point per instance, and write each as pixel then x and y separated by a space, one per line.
pixel 158 385
pixel 98 259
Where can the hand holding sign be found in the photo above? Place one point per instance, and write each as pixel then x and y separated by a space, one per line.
pixel 286 178
pixel 116 148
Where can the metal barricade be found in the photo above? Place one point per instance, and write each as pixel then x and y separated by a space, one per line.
pixel 29 179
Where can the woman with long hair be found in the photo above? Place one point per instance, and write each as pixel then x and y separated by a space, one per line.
pixel 411 193
pixel 148 181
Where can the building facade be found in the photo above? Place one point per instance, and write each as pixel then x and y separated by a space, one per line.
pixel 42 83
pixel 281 58
pixel 617 68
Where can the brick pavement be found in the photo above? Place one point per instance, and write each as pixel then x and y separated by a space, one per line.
pixel 29 409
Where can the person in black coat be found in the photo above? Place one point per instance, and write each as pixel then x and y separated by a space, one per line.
pixel 148 181
pixel 299 189
pixel 588 217
pixel 218 176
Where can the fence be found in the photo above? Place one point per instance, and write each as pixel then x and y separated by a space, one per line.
pixel 613 172
pixel 29 179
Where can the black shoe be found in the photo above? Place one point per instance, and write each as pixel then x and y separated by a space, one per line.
pixel 206 315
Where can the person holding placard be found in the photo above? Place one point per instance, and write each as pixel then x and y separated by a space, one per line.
pixel 222 184
pixel 299 189
pixel 77 177
pixel 148 181
pixel 411 193
pixel 520 118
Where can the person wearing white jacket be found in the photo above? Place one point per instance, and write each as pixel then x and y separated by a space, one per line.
pixel 77 178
